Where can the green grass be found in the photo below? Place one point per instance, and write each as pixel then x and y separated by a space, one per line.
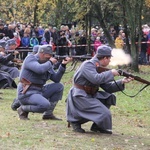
pixel 131 124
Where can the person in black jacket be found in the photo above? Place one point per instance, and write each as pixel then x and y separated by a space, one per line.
pixel 143 60
pixel 49 34
pixel 3 31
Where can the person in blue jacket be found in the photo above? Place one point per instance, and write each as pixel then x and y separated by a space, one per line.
pixel 25 41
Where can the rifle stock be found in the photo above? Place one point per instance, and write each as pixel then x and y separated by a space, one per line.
pixel 125 74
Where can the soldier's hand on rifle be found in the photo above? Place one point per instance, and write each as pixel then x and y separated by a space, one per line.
pixel 115 72
pixel 19 61
pixel 15 52
pixel 66 60
pixel 127 80
pixel 53 60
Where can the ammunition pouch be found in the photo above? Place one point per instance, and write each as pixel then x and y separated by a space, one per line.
pixel 25 84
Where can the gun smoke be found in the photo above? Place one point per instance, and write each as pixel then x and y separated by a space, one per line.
pixel 120 57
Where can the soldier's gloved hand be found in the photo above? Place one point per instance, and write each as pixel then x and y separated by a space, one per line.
pixel 66 60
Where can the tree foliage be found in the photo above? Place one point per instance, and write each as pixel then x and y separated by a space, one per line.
pixel 129 13
pixel 108 12
pixel 147 3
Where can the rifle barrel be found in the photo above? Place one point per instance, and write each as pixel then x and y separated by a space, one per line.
pixel 125 74
pixel 73 56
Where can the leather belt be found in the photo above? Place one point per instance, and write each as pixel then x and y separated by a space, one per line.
pixel 88 89
pixel 37 85
pixel 79 86
pixel 26 84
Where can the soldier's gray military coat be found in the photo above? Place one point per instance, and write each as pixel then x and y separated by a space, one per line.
pixel 6 80
pixel 38 73
pixel 83 107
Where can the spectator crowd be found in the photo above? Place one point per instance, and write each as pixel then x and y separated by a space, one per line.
pixel 64 41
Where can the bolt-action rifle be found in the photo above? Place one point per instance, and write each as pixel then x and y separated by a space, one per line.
pixel 75 60
pixel 75 57
pixel 125 74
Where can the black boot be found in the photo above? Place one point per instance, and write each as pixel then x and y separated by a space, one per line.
pixel 50 117
pixel 22 114
pixel 15 104
pixel 77 127
pixel 95 128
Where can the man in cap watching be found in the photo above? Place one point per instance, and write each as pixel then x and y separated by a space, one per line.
pixel 85 102
pixel 33 92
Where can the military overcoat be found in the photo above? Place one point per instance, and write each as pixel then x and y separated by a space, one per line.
pixel 81 106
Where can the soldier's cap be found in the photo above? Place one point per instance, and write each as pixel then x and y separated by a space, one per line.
pixel 35 48
pixel 2 43
pixel 103 51
pixel 47 49
pixel 11 42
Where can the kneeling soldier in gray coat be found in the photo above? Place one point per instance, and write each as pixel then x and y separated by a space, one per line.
pixel 85 103
pixel 33 92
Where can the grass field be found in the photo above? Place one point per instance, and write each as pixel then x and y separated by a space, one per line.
pixel 131 124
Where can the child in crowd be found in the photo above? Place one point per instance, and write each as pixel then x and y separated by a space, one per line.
pixel 17 39
pixel 34 41
pixel 119 43
pixel 43 41
pixel 97 43
pixel 25 40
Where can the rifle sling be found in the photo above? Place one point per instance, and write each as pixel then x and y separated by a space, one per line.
pixel 131 95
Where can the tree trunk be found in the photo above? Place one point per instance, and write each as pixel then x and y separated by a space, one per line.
pixel 132 8
pixel 35 13
pixel 126 30
pixel 99 17
pixel 134 53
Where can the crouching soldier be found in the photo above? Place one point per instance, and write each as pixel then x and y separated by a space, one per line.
pixel 33 92
pixel 86 102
